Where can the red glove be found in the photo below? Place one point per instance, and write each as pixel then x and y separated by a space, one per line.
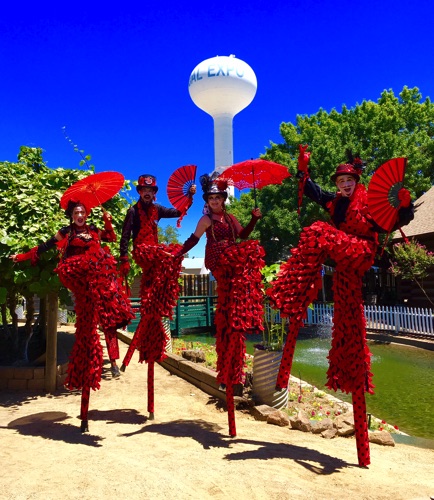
pixel 404 198
pixel 245 232
pixel 31 255
pixel 108 234
pixel 303 158
pixel 189 243
pixel 125 267
pixel 107 218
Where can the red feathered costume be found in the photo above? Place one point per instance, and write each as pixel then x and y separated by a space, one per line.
pixel 351 241
pixel 237 269
pixel 159 287
pixel 90 273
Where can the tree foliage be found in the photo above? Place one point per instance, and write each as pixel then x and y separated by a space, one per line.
pixel 378 131
pixel 412 261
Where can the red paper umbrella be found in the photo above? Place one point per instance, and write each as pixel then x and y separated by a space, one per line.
pixel 255 174
pixel 178 188
pixel 383 192
pixel 93 190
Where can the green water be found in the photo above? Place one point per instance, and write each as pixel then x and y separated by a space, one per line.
pixel 403 379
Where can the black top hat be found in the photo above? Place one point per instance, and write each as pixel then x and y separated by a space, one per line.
pixel 210 186
pixel 147 180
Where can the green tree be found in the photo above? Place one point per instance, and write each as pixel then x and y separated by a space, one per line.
pixel 168 235
pixel 411 261
pixel 378 131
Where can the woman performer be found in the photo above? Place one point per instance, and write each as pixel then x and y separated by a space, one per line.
pixel 89 271
pixel 351 240
pixel 237 269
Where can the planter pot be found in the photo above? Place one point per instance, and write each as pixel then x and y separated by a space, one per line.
pixel 265 369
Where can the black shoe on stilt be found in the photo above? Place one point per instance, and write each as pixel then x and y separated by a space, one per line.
pixel 123 368
pixel 115 371
pixel 84 426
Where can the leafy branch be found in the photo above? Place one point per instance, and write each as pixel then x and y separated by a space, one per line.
pixel 411 261
pixel 84 158
pixel 274 331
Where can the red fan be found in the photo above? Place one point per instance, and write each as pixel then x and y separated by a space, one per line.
pixel 383 192
pixel 178 188
pixel 93 190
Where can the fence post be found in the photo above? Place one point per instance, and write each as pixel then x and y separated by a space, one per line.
pixel 51 348
pixel 397 322
pixel 208 311
pixel 178 314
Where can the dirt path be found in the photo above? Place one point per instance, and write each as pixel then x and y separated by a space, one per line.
pixel 185 453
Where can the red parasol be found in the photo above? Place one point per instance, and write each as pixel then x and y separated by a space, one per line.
pixel 255 174
pixel 93 190
pixel 384 196
pixel 178 188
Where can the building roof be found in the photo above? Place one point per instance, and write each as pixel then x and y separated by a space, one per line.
pixel 195 263
pixel 423 222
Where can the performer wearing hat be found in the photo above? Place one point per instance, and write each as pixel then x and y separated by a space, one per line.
pixel 159 288
pixel 237 269
pixel 351 240
pixel 90 272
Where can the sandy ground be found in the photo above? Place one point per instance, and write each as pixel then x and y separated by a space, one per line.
pixel 185 453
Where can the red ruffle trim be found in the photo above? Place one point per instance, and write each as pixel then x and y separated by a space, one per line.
pixel 99 299
pixel 159 291
pixel 298 283
pixel 239 306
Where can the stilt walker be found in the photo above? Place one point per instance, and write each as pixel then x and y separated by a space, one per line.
pixel 89 271
pixel 237 270
pixel 159 287
pixel 351 241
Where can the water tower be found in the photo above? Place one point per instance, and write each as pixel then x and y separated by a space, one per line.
pixel 222 87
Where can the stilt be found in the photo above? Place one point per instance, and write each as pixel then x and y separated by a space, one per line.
pixel 151 390
pixel 130 352
pixel 231 409
pixel 361 427
pixel 85 395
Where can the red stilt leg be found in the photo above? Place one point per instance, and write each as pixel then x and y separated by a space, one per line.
pixel 131 348
pixel 151 390
pixel 361 425
pixel 85 395
pixel 231 409
pixel 288 355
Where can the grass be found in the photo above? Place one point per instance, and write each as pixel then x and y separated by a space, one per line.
pixel 302 396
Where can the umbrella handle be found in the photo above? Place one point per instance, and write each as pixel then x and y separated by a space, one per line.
pixel 254 187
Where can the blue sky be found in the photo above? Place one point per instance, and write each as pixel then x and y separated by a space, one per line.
pixel 116 75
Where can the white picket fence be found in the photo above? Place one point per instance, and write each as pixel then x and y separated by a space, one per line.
pixel 400 319
pixel 394 319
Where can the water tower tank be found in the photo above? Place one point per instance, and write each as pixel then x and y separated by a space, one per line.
pixel 222 86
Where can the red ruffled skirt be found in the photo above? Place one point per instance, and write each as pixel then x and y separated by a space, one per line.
pixel 239 306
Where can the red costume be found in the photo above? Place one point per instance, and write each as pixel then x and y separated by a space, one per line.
pixel 159 287
pixel 237 269
pixel 350 239
pixel 90 272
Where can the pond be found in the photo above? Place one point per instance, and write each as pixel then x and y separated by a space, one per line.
pixel 403 379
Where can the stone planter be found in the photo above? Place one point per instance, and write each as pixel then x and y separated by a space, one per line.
pixel 265 368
